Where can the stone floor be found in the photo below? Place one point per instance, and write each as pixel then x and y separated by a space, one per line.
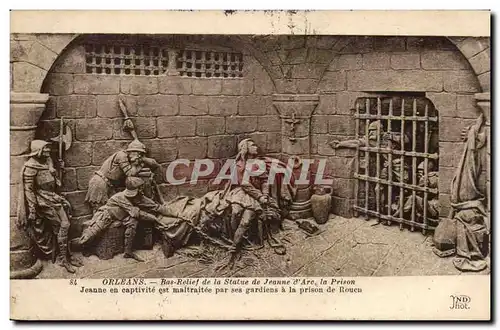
pixel 343 247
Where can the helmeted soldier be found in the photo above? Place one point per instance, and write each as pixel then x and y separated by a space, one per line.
pixel 129 207
pixel 41 211
pixel 114 170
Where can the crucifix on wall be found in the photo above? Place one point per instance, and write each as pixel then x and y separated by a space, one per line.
pixel 292 121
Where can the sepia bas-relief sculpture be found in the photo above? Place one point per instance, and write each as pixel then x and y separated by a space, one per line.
pixel 464 233
pixel 42 212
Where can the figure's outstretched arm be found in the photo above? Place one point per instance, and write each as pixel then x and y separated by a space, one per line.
pixel 347 144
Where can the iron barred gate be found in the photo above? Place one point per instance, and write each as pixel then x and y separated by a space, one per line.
pixel 397 161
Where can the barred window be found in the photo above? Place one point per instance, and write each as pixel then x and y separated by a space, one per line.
pixel 136 60
pixel 207 64
pixel 397 161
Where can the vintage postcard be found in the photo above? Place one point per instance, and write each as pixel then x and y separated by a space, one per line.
pixel 266 165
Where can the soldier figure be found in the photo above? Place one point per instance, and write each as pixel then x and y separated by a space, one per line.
pixel 114 170
pixel 129 207
pixel 41 211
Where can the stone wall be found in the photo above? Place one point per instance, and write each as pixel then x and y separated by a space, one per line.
pixel 176 117
pixel 377 65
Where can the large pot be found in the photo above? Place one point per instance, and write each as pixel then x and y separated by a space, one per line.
pixel 321 202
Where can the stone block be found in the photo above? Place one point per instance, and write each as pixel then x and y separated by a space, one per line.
pixel 341 167
pixel 319 124
pixel 429 43
pixel 192 147
pixel 391 80
pixel 25 114
pixel 296 56
pixel 301 146
pixel 322 146
pixel 445 103
pixel 175 85
pixel 41 56
pixel 96 84
pixel 444 205
pixel 157 105
pixel 163 150
pixel 59 84
pixel 466 107
pixel 101 150
pixel 207 86
pixel 190 105
pixel 346 62
pixel 405 61
pixel 485 81
pixel 307 86
pixel 481 62
pixel 389 44
pixel 286 86
pixel 446 174
pixel 76 106
pixel 269 124
pixel 240 124
pixel 255 105
pixel 472 46
pixel 16 164
pixel 20 141
pixel 19 50
pixel 376 61
pixel 263 85
pixel 346 102
pixel 108 105
pixel 73 61
pixel 50 108
pixel 55 42
pixel 319 56
pixel 207 126
pixel 342 207
pixel 326 105
pixel 139 85
pixel 355 45
pixel 450 129
pixel 145 128
pixel 223 146
pixel 333 81
pixel 222 105
pixel 94 129
pixel 450 153
pixel 237 86
pixel 274 142
pixel 80 154
pixel 341 125
pixel 176 126
pixel 27 77
pixel 325 42
pixel 443 60
pixel 83 175
pixel 69 181
pixel 77 201
pixel 343 187
pixel 307 70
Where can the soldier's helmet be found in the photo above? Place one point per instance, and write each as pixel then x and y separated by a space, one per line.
pixel 430 165
pixel 36 147
pixel 136 146
pixel 374 125
pixel 132 185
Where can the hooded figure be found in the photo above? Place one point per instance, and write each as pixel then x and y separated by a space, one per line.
pixel 114 170
pixel 41 211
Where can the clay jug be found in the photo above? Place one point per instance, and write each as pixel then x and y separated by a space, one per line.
pixel 321 202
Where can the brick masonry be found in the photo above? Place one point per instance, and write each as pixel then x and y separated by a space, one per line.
pixel 194 117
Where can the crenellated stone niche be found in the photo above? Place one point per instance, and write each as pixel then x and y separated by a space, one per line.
pixel 25 111
pixel 295 112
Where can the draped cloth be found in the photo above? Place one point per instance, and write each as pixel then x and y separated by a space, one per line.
pixel 467 201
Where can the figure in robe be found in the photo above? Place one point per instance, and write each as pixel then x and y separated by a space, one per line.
pixel 469 217
pixel 42 212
